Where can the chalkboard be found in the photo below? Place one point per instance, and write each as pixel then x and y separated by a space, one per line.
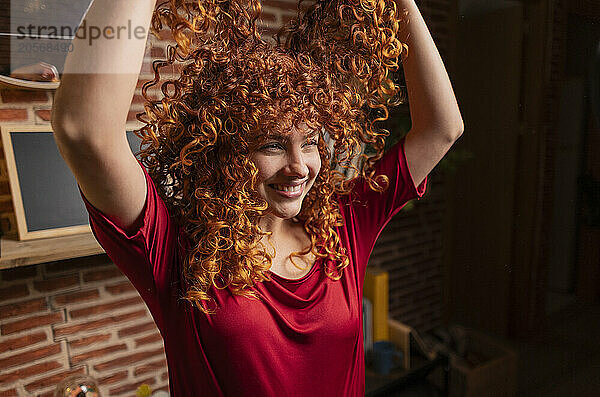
pixel 44 191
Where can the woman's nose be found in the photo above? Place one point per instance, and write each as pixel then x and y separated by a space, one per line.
pixel 296 164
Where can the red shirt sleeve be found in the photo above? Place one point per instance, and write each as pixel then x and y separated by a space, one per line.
pixel 366 212
pixel 145 253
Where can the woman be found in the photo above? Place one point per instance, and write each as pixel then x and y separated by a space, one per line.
pixel 245 241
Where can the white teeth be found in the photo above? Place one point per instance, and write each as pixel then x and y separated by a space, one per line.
pixel 291 189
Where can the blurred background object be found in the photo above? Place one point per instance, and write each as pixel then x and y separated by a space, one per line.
pixel 40 71
pixel 79 385
pixel 36 35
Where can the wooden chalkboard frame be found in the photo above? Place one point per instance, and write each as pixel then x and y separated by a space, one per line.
pixel 15 185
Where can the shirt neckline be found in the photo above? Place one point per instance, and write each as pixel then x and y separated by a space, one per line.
pixel 296 280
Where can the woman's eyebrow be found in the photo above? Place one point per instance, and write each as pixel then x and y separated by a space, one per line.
pixel 278 137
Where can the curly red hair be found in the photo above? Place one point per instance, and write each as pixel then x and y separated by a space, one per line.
pixel 329 68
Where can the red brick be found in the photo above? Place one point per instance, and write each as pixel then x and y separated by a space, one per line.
pixel 14 291
pixel 157 52
pixel 4 189
pixel 136 329
pixel 57 283
pixel 29 356
pixel 26 307
pixel 22 341
pixel 13 114
pixel 77 358
pixel 128 360
pixel 88 341
pixel 19 273
pixel 29 371
pixel 138 99
pixel 131 387
pixel 25 96
pixel 114 378
pixel 71 329
pixel 31 322
pixel 148 339
pixel 106 307
pixel 104 274
pixel 44 114
pixel 76 297
pixel 120 288
pixel 131 115
pixel 146 68
pixel 52 380
pixel 76 264
pixel 7 221
pixel 6 206
pixel 9 393
pixel 165 34
pixel 154 367
pixel 165 376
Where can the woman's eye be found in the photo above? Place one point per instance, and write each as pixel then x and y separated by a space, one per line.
pixel 272 146
pixel 278 146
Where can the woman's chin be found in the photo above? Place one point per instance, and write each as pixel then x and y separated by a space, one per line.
pixel 285 210
pixel 286 214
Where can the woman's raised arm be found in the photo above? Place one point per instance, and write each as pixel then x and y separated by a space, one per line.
pixel 436 119
pixel 90 107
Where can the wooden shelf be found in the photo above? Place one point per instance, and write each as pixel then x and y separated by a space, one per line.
pixel 30 252
pixel 11 82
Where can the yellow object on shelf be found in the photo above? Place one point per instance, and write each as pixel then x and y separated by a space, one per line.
pixel 376 289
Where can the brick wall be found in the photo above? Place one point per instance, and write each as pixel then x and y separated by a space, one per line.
pixel 76 316
pixel 83 316
pixel 410 249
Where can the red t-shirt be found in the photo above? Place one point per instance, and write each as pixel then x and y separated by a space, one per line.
pixel 304 338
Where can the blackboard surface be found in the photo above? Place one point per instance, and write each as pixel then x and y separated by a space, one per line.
pixel 48 189
pixel 49 193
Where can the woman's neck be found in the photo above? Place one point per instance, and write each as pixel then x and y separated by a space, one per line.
pixel 277 226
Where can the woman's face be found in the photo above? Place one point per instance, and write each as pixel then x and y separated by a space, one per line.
pixel 288 166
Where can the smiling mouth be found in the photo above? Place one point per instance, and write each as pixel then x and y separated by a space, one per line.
pixel 289 191
pixel 288 188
